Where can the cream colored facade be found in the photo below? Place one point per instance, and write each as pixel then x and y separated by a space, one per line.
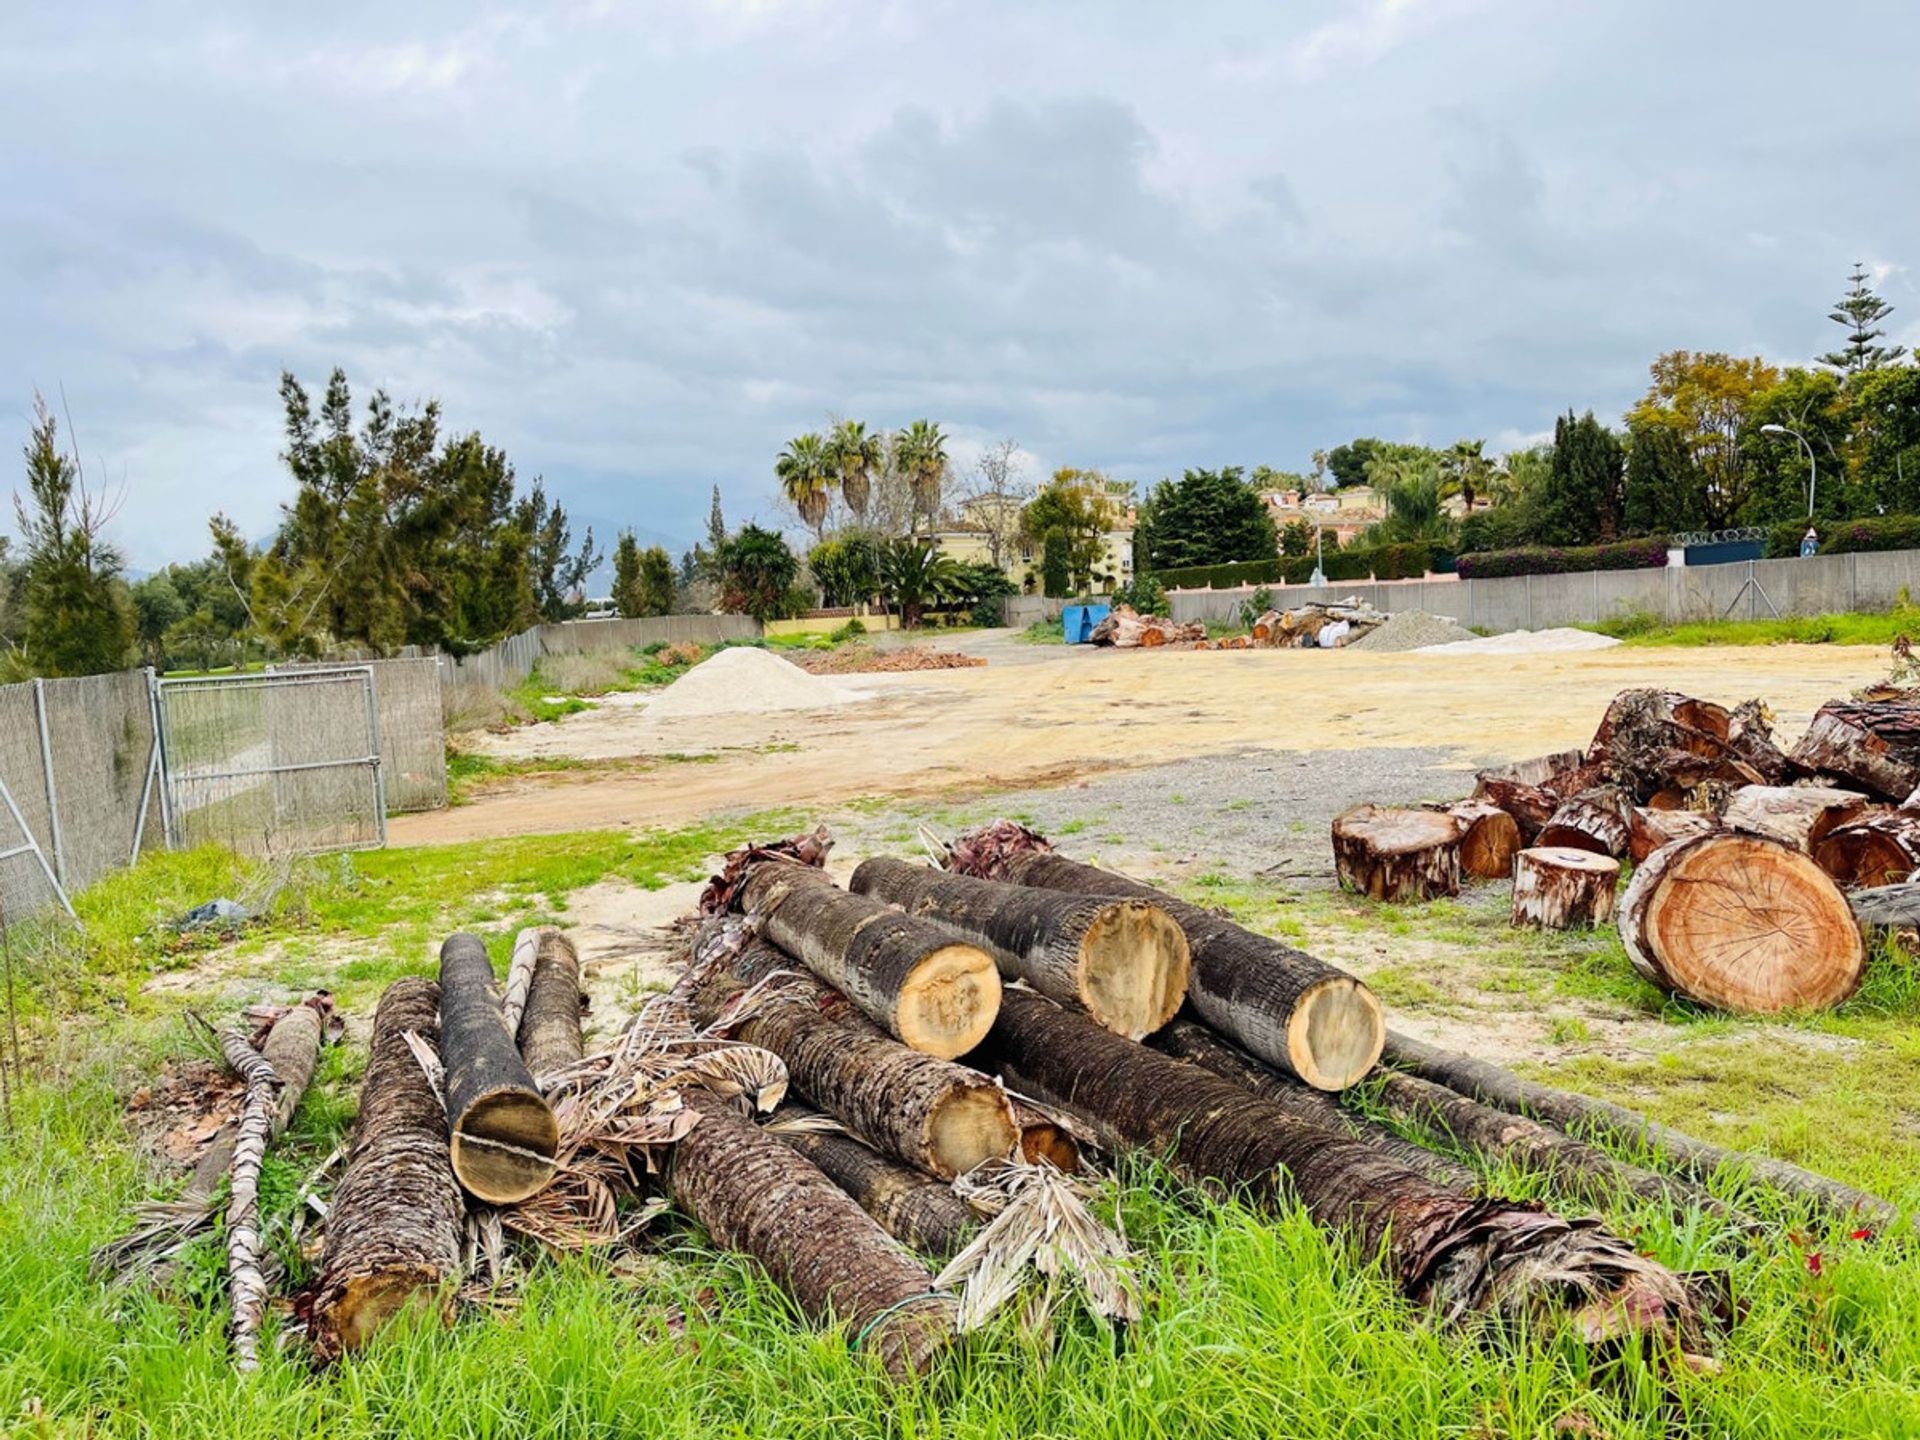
pixel 1021 562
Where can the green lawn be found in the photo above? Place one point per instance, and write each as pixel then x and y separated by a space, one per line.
pixel 1256 1326
pixel 1849 628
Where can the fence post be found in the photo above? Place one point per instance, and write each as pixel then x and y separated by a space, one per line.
pixel 53 796
pixel 167 835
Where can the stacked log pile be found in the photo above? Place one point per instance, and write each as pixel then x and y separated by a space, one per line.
pixel 1323 626
pixel 1125 628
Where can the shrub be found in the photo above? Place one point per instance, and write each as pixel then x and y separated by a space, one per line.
pixel 1646 554
pixel 1255 605
pixel 849 631
pixel 1145 594
pixel 1849 537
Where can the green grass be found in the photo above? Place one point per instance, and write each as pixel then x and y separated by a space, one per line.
pixel 470 774
pixel 1256 1325
pixel 1841 629
pixel 1043 632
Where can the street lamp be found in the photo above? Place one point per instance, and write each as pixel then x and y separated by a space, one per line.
pixel 1813 465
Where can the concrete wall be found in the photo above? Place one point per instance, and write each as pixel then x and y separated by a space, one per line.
pixel 513 659
pixel 1020 611
pixel 1825 584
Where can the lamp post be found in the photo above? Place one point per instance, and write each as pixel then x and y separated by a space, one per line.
pixel 1319 545
pixel 1813 465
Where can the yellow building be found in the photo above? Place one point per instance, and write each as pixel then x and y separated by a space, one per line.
pixel 1020 558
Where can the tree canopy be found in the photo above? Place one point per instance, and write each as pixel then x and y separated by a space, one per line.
pixel 1209 517
pixel 77 619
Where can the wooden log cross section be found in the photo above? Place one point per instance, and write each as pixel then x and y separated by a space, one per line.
pixel 1398 854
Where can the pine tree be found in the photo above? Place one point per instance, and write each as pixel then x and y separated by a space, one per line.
pixel 1861 312
pixel 1056 565
pixel 655 579
pixel 1583 499
pixel 78 618
pixel 626 576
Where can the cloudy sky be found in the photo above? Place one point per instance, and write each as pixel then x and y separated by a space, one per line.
pixel 641 244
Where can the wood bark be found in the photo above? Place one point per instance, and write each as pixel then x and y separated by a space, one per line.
pixel 1194 1043
pixel 917 981
pixel 1796 815
pixel 921 1213
pixel 1454 1252
pixel 1124 961
pixel 1289 1009
pixel 1581 1170
pixel 1555 888
pixel 1595 820
pixel 549 1029
pixel 1741 923
pixel 758 1196
pixel 246 1285
pixel 1650 827
pixel 1127 628
pixel 393 1234
pixel 1894 907
pixel 504 1136
pixel 1397 854
pixel 930 1113
pixel 1872 745
pixel 1585 1116
pixel 526 955
pixel 1651 740
pixel 292 1048
pixel 1489 842
pixel 1878 847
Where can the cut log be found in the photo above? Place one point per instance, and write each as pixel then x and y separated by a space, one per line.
pixel 1290 1010
pixel 755 1195
pixel 292 1048
pixel 1044 1139
pixel 1874 745
pixel 920 1212
pixel 1891 907
pixel 1651 740
pixel 1123 961
pixel 1489 842
pixel 1581 1170
pixel 1880 847
pixel 393 1233
pixel 1556 888
pixel 1397 854
pixel 1652 826
pixel 526 955
pixel 1796 815
pixel 917 981
pixel 1125 628
pixel 1741 923
pixel 1185 1040
pixel 550 1028
pixel 1593 820
pixel 930 1113
pixel 1584 1116
pixel 504 1135
pixel 1455 1253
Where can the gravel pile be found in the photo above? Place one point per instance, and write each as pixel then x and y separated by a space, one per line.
pixel 746 681
pixel 1412 630
pixel 1527 642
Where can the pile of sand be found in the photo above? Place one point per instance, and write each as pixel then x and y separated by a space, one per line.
pixel 1412 630
pixel 742 680
pixel 1527 642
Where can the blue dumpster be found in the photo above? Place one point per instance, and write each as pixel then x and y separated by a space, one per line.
pixel 1077 621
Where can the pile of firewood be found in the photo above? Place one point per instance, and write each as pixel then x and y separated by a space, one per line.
pixel 1327 627
pixel 849 1082
pixel 1126 628
pixel 1742 850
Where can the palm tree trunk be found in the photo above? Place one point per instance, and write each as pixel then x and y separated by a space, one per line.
pixel 504 1135
pixel 550 1028
pixel 922 1214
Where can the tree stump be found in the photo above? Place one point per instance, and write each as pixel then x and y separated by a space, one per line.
pixel 1796 815
pixel 1490 841
pixel 1398 854
pixel 1557 887
pixel 1741 923
pixel 1593 820
pixel 1651 828
pixel 1880 847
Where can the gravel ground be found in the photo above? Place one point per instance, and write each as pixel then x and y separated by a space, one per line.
pixel 1413 630
pixel 1263 811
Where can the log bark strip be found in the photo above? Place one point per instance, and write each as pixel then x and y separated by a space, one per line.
pixel 917 981
pixel 756 1195
pixel 1397 854
pixel 393 1234
pixel 1879 847
pixel 526 955
pixel 929 1113
pixel 247 1287
pixel 292 1048
pixel 1290 1010
pixel 922 1214
pixel 1555 888
pixel 1443 1248
pixel 1123 961
pixel 1796 815
pixel 1743 924
pixel 504 1136
pixel 1184 1040
pixel 1583 1115
pixel 550 1027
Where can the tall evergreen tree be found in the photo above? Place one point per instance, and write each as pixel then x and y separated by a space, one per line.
pixel 656 582
pixel 1860 313
pixel 1583 499
pixel 1663 489
pixel 78 619
pixel 1210 517
pixel 626 576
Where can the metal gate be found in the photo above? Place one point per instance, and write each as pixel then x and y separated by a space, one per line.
pixel 276 764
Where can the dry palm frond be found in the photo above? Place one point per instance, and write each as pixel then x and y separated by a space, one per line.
pixel 804 1122
pixel 1041 1220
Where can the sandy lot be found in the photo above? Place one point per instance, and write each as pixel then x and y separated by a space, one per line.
pixel 1039 716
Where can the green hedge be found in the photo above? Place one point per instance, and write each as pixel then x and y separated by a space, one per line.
pixel 1381 562
pixel 1850 537
pixel 1648 554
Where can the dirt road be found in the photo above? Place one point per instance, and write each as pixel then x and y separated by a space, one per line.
pixel 1043 715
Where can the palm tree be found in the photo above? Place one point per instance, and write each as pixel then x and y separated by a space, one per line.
pixel 920 453
pixel 1468 467
pixel 852 453
pixel 915 574
pixel 806 478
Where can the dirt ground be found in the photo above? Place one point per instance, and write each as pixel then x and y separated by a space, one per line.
pixel 1045 716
